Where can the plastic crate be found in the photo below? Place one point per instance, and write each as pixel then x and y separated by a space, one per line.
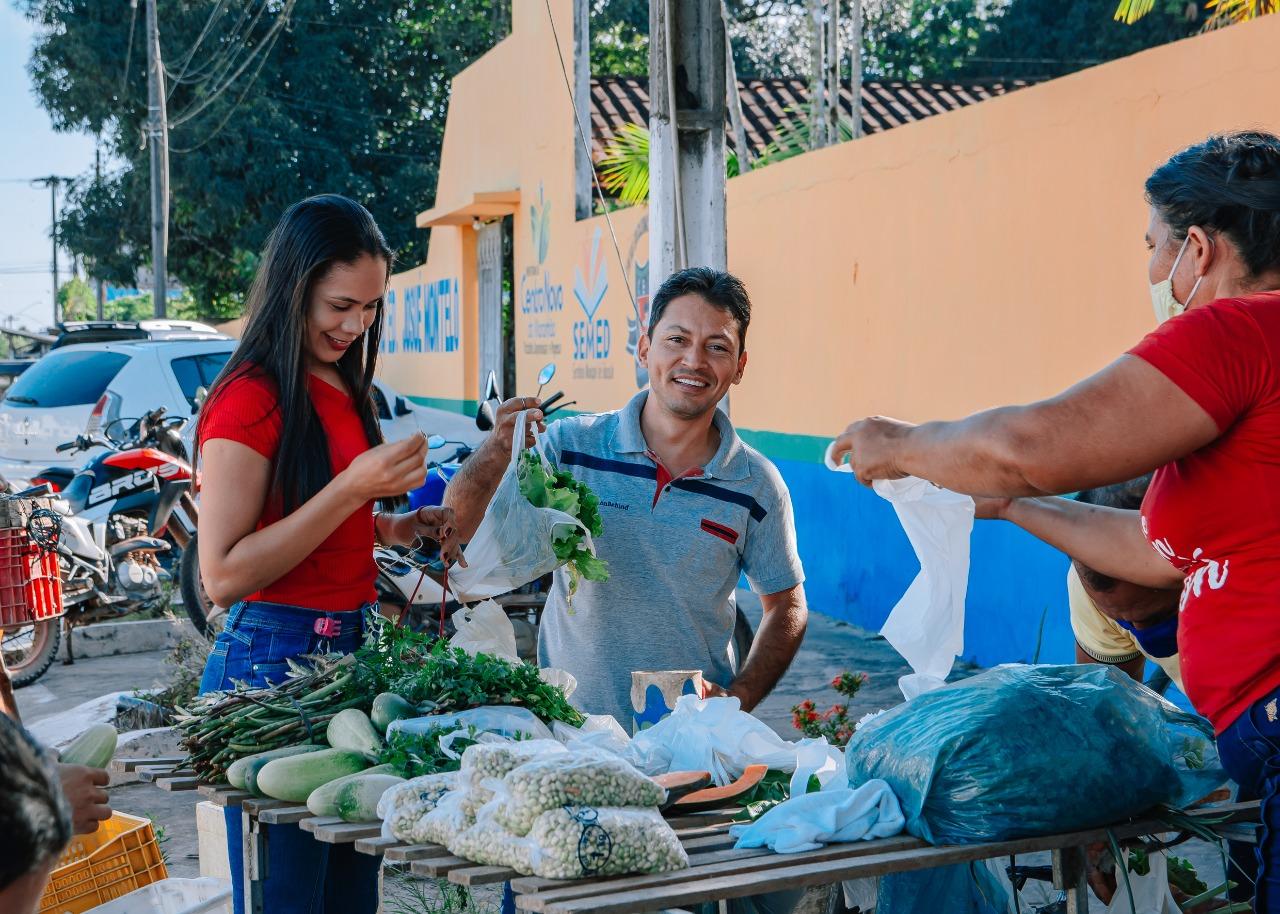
pixel 121 856
pixel 175 896
pixel 30 588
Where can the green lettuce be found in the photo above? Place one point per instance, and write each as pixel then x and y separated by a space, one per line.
pixel 559 490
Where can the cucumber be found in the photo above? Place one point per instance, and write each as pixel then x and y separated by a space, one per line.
pixel 324 799
pixel 94 747
pixel 237 771
pixel 357 799
pixel 351 729
pixel 263 759
pixel 294 777
pixel 389 707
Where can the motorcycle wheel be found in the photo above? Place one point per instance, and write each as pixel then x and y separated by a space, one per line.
pixel 205 615
pixel 29 651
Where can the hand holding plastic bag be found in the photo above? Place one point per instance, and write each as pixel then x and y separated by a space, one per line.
pixel 808 821
pixel 514 543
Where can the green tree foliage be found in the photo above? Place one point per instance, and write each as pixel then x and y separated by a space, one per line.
pixel 76 301
pixel 1045 38
pixel 271 101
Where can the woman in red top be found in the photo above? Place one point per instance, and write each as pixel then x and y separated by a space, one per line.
pixel 1198 401
pixel 292 464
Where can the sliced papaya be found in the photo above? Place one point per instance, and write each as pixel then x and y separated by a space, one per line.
pixel 679 783
pixel 716 797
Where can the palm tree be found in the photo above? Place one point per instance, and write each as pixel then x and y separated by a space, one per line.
pixel 1225 12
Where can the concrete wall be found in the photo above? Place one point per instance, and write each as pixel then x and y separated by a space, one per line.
pixel 986 256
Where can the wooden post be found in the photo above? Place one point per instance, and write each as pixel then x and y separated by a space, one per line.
pixel 817 77
pixel 687 96
pixel 1069 871
pixel 734 99
pixel 582 164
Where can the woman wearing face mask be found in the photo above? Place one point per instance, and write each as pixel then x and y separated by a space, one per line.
pixel 292 464
pixel 1198 401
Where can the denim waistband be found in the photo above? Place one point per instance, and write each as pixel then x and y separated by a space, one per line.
pixel 282 617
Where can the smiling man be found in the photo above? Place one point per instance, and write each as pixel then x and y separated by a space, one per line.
pixel 687 508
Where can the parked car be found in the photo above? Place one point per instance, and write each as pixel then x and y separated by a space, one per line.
pixel 81 389
pixel 75 333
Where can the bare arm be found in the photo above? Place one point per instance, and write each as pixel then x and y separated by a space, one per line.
pixel 786 616
pixel 236 560
pixel 471 488
pixel 1108 540
pixel 1120 423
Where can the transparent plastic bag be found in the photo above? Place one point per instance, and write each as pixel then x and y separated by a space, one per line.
pixel 486 764
pixel 442 824
pixel 504 721
pixel 513 544
pixel 575 842
pixel 1022 750
pixel 403 806
pixel 484 629
pixel 489 843
pixel 582 779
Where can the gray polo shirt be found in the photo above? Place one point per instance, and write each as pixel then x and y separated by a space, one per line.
pixel 674 557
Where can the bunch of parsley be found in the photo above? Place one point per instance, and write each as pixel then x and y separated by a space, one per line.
pixel 561 491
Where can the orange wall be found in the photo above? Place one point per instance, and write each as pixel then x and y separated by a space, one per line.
pixel 985 256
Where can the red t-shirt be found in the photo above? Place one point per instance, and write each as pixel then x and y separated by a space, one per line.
pixel 339 574
pixel 1215 514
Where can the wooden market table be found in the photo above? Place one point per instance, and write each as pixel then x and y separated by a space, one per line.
pixel 716 870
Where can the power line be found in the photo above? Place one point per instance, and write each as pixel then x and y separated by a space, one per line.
pixel 217 11
pixel 233 42
pixel 128 56
pixel 266 43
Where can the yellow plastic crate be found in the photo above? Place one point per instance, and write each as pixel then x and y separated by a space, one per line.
pixel 122 855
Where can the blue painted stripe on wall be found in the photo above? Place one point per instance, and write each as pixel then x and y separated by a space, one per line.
pixel 858 563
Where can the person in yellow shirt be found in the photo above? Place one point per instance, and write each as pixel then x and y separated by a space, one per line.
pixel 1117 622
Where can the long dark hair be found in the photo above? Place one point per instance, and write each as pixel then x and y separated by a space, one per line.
pixel 309 239
pixel 1229 183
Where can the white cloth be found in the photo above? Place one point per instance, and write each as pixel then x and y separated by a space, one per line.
pixel 807 822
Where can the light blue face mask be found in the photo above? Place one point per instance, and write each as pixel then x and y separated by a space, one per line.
pixel 1162 300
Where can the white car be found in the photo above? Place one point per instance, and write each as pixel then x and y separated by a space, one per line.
pixel 82 388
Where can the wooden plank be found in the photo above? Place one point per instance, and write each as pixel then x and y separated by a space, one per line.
pixel 723 817
pixel 346 832
pixel 149 773
pixel 377 846
pixel 255 806
pixel 313 822
pixel 283 815
pixel 438 867
pixel 407 853
pixel 708 842
pixel 481 875
pixel 876 863
pixel 174 784
pixel 721 863
pixel 126 765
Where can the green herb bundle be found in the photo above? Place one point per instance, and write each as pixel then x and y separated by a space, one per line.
pixel 561 491
pixel 430 674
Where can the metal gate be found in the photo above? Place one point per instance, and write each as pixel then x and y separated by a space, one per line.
pixel 489 267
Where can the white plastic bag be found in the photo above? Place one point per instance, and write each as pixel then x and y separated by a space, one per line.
pixel 484 629
pixel 710 734
pixel 1151 893
pixel 927 625
pixel 818 758
pixel 599 731
pixel 501 720
pixel 805 823
pixel 513 544
pixel 403 806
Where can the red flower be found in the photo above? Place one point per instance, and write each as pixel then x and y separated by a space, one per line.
pixel 838 681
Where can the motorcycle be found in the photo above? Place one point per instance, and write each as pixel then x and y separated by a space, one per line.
pixel 120 518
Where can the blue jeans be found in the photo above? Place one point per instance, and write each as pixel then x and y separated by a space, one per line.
pixel 1250 753
pixel 303 876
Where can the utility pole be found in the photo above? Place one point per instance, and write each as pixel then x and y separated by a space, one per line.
pixel 158 136
pixel 687 95
pixel 832 61
pixel 583 167
pixel 734 100
pixel 97 178
pixel 855 67
pixel 52 182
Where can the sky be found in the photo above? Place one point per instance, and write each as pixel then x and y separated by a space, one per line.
pixel 30 148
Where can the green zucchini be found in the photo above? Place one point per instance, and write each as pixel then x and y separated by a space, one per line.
pixel 357 799
pixel 94 747
pixel 324 799
pixel 238 771
pixel 294 777
pixel 351 729
pixel 389 707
